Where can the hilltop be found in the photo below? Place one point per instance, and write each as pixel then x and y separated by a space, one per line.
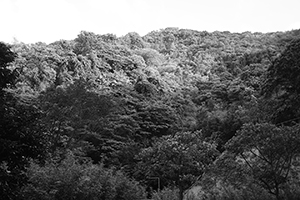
pixel 175 104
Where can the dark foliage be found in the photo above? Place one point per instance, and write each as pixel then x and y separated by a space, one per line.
pixel 282 84
pixel 135 103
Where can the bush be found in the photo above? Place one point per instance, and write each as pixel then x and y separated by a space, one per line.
pixel 72 179
pixel 229 192
pixel 166 194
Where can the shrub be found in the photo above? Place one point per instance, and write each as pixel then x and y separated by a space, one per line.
pixel 166 194
pixel 223 191
pixel 74 179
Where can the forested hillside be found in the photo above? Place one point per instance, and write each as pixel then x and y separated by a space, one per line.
pixel 132 117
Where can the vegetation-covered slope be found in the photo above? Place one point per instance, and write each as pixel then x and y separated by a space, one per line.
pixel 137 105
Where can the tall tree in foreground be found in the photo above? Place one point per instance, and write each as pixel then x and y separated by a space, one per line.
pixel 268 154
pixel 7 76
pixel 282 83
pixel 20 131
pixel 178 160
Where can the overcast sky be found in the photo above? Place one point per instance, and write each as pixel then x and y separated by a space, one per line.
pixel 32 21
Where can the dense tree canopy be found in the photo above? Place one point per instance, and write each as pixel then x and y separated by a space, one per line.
pixel 178 160
pixel 283 83
pixel 21 136
pixel 164 105
pixel 7 76
pixel 268 152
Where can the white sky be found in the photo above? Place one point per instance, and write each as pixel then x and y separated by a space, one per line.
pixel 32 21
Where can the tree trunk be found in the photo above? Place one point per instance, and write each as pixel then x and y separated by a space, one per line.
pixel 277 191
pixel 181 191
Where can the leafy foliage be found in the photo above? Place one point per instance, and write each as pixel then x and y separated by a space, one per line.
pixel 155 105
pixel 74 178
pixel 21 133
pixel 178 160
pixel 7 77
pixel 283 83
pixel 268 152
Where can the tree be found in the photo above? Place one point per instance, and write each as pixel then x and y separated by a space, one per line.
pixel 7 76
pixel 268 153
pixel 282 83
pixel 150 56
pixel 133 40
pixel 21 133
pixel 72 177
pixel 77 114
pixel 178 160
